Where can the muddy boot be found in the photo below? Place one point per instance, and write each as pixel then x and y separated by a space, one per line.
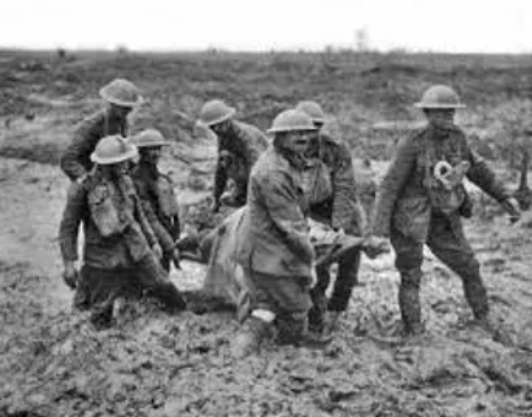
pixel 475 294
pixel 170 297
pixel 332 323
pixel 293 330
pixel 102 316
pixel 410 305
pixel 81 300
pixel 248 341
pixel 497 329
pixel 316 315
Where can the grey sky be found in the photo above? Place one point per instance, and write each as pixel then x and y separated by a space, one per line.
pixel 448 25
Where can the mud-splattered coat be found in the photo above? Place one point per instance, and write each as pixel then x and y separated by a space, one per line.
pixel 276 239
pixel 342 209
pixel 116 235
pixel 159 203
pixel 75 161
pixel 404 202
pixel 245 146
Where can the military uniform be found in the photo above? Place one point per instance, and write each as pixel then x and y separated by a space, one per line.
pixel 159 204
pixel 415 207
pixel 117 258
pixel 75 161
pixel 237 153
pixel 275 248
pixel 340 209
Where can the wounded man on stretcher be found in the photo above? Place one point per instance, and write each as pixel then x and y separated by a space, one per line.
pixel 225 282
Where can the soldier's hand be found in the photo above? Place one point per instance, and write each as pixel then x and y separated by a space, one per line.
pixel 176 258
pixel 80 179
pixel 157 250
pixel 70 275
pixel 340 231
pixel 511 206
pixel 376 245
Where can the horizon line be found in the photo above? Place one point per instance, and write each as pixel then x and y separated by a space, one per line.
pixel 124 49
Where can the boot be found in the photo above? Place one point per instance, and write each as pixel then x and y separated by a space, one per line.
pixel 102 316
pixel 249 339
pixel 332 323
pixel 170 297
pixel 316 315
pixel 294 331
pixel 410 310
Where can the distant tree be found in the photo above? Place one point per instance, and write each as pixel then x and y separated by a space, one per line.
pixel 61 53
pixel 122 49
pixel 362 40
pixel 213 50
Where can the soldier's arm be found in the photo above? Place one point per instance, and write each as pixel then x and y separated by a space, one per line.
pixel 145 226
pixel 220 180
pixel 345 192
pixel 281 200
pixel 483 176
pixel 255 143
pixel 175 230
pixel 84 141
pixel 76 207
pixel 254 151
pixel 162 235
pixel 177 226
pixel 400 169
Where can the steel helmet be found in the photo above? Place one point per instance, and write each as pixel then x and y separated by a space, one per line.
pixel 440 97
pixel 290 121
pixel 215 111
pixel 149 137
pixel 113 149
pixel 313 109
pixel 121 92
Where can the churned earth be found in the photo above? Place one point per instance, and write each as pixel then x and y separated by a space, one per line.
pixel 53 363
pixel 151 364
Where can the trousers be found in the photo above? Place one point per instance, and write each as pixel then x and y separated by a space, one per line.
pixel 447 241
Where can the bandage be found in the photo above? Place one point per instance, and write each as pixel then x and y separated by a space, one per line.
pixel 264 315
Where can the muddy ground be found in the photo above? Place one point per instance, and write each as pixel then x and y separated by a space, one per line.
pixel 53 363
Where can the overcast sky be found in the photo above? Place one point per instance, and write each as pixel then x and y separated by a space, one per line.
pixel 438 25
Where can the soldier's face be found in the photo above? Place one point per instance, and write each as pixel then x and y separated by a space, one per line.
pixel 151 154
pixel 298 141
pixel 119 112
pixel 221 128
pixel 440 117
pixel 119 169
pixel 313 146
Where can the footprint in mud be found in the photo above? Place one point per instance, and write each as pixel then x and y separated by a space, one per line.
pixel 500 299
pixel 524 337
pixel 495 263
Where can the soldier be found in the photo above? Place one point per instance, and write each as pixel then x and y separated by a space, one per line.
pixel 157 194
pixel 121 97
pixel 421 199
pixel 276 253
pixel 120 249
pixel 340 209
pixel 239 146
